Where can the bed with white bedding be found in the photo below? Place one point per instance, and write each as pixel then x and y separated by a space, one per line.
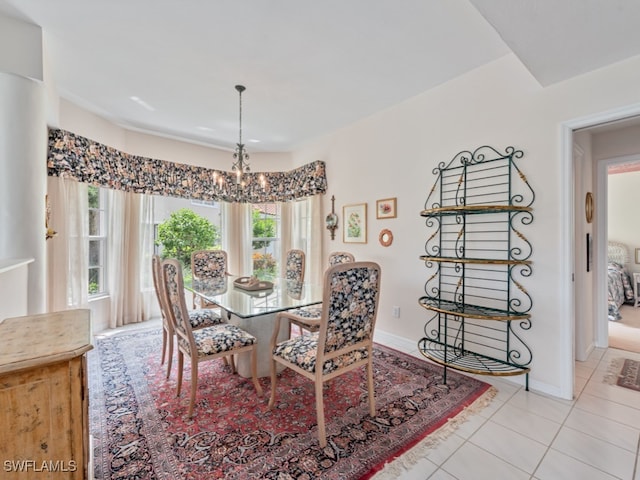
pixel 619 286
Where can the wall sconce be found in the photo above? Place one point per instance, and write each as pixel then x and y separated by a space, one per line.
pixel 332 219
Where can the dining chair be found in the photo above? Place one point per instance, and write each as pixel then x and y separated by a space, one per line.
pixel 340 257
pixel 294 266
pixel 200 318
pixel 294 276
pixel 206 265
pixel 308 318
pixel 344 340
pixel 209 343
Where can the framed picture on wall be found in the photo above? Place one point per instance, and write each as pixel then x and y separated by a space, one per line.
pixel 354 223
pixel 386 208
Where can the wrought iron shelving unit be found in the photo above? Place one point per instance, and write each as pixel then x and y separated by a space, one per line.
pixel 477 257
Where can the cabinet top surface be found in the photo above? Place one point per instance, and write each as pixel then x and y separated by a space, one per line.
pixel 41 339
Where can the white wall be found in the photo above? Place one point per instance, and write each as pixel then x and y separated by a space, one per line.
pixel 619 142
pixel 21 48
pixel 23 143
pixel 393 153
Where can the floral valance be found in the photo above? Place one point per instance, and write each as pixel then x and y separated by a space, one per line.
pixel 91 162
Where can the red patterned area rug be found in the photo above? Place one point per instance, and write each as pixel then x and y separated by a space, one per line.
pixel 140 430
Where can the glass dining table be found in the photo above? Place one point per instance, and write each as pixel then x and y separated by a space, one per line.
pixel 255 310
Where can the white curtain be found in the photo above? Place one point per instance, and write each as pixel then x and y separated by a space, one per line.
pixel 301 228
pixel 286 235
pixel 67 256
pixel 237 233
pixel 129 250
pixel 315 226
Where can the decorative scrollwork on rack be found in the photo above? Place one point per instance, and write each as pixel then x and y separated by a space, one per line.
pixel 523 356
pixel 431 327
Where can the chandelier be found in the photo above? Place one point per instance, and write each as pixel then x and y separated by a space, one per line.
pixel 240 165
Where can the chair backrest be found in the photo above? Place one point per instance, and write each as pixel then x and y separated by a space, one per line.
pixel 335 258
pixel 295 265
pixel 350 307
pixel 209 264
pixel 176 304
pixel 156 275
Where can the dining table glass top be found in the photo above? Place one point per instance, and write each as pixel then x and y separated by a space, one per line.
pixel 283 295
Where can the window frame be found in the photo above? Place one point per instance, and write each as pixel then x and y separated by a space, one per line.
pixel 274 241
pixel 101 212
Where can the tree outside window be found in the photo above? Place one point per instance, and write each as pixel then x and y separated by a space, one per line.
pixel 265 222
pixel 185 232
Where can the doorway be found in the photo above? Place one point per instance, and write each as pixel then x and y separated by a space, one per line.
pixel 571 234
pixel 622 179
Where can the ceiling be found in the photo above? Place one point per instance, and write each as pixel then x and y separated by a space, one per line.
pixel 169 67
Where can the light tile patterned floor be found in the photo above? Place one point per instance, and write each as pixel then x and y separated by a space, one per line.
pixel 526 435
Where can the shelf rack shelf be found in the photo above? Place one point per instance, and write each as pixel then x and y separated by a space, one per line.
pixel 477 258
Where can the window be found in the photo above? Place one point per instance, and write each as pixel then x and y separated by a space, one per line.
pixel 164 207
pixel 265 240
pixel 97 240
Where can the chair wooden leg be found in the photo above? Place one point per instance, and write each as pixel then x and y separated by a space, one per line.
pixel 254 370
pixel 194 386
pixel 232 363
pixel 170 359
pixel 180 365
pixel 164 345
pixel 322 434
pixel 372 396
pixel 274 380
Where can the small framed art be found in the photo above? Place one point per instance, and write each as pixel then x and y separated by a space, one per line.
pixel 386 208
pixel 354 223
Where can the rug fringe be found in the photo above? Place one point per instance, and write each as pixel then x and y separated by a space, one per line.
pixel 404 462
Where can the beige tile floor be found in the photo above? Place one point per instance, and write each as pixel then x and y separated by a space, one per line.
pixel 526 435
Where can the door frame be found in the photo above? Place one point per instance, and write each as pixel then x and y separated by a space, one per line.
pixel 567 247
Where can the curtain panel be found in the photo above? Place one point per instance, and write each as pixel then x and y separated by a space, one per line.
pixel 97 164
pixel 67 256
pixel 129 251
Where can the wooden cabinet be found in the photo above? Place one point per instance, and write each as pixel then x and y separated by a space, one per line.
pixel 44 430
pixel 477 257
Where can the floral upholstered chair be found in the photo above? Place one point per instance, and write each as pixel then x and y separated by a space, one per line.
pixel 308 318
pixel 294 276
pixel 207 265
pixel 294 266
pixel 340 257
pixel 344 340
pixel 200 318
pixel 216 341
